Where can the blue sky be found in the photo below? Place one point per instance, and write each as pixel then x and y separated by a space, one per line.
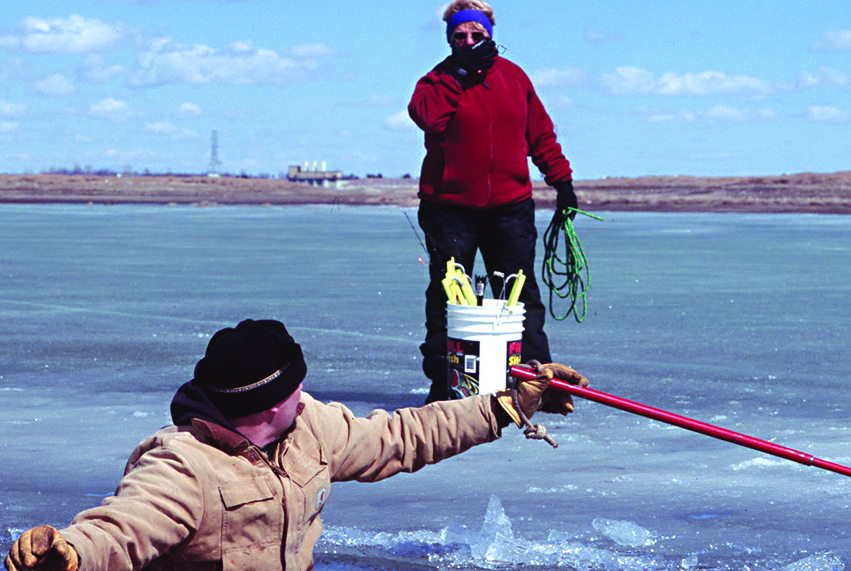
pixel 634 87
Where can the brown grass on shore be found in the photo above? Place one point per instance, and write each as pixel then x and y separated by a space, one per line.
pixel 805 192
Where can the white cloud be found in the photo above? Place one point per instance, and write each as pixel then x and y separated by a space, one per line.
pixel 189 110
pixel 111 110
pixel 725 114
pixel 9 126
pixel 825 76
pixel 838 41
pixel 12 68
pixel 10 42
pixel 241 46
pixel 629 81
pixel 240 64
pixel 400 121
pixel 558 77
pixel 637 81
pixel 311 51
pixel 55 85
pixel 171 131
pixel 74 34
pixel 12 109
pixel 836 78
pixel 828 114
pixel 560 102
pixel 96 69
pixel 676 117
pixel 710 83
pixel 809 79
pixel 713 115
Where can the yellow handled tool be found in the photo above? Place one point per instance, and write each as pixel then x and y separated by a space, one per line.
pixel 457 285
pixel 466 286
pixel 519 280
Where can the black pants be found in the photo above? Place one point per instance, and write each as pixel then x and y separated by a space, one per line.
pixel 506 237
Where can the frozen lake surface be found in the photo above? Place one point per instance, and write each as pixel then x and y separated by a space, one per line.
pixel 737 320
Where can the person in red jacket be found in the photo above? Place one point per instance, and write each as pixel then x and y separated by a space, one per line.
pixel 482 118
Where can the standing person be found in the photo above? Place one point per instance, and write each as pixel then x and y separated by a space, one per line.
pixel 239 480
pixel 482 119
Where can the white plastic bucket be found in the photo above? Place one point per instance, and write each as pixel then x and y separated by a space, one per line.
pixel 483 341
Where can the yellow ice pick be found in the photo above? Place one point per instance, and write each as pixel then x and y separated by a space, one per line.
pixel 451 286
pixel 519 280
pixel 466 287
pixel 457 285
pixel 453 291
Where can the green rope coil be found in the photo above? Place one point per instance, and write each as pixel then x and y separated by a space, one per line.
pixel 566 274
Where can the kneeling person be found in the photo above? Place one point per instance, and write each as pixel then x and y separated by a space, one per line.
pixel 241 477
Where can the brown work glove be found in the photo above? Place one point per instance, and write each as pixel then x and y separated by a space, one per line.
pixel 532 395
pixel 42 549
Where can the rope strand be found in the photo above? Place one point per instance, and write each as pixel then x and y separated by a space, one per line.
pixel 566 275
pixel 531 431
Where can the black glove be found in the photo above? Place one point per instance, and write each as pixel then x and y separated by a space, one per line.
pixel 566 198
pixel 470 63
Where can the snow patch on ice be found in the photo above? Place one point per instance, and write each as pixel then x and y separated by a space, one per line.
pixel 760 463
pixel 819 562
pixel 554 490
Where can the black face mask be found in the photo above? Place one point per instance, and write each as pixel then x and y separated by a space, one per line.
pixel 477 58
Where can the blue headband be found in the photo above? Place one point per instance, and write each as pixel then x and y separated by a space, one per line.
pixel 468 16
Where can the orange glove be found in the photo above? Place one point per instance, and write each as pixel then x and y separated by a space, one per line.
pixel 42 549
pixel 532 395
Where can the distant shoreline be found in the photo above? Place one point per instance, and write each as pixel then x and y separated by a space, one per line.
pixel 802 193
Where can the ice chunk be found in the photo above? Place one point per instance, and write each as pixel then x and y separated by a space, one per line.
pixel 625 532
pixel 496 539
pixel 494 546
pixel 819 562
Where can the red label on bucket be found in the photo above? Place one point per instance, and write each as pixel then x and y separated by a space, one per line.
pixel 464 367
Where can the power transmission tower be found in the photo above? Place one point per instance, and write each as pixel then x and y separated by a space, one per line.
pixel 215 163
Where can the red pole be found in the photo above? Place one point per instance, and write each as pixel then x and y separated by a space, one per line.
pixel 685 422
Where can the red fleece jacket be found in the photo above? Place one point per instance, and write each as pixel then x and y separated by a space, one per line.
pixel 477 139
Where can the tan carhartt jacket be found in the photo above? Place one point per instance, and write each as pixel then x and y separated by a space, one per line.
pixel 202 497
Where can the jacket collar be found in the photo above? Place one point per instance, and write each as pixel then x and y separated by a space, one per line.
pixel 223 438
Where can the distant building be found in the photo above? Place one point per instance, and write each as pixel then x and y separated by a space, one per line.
pixel 314 173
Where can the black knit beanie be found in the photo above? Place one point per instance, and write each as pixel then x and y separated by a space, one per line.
pixel 251 367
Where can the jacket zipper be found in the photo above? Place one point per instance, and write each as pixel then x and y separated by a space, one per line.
pixel 490 148
pixel 271 463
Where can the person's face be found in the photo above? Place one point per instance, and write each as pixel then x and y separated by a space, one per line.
pixel 285 412
pixel 467 34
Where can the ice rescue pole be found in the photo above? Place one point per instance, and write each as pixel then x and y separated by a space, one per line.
pixel 520 372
